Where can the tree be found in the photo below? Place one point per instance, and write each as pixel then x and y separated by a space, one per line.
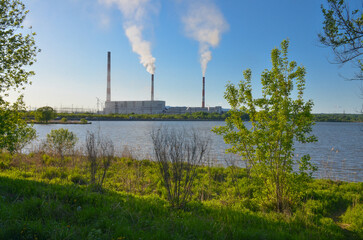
pixel 277 120
pixel 15 133
pixel 17 52
pixel 343 32
pixel 45 114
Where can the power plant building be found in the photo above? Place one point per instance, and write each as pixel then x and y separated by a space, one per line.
pixel 183 110
pixel 136 107
pixel 149 107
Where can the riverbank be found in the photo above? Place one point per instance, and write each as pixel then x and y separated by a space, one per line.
pixel 60 122
pixel 199 117
pixel 45 197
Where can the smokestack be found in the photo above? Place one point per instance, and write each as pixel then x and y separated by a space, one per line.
pixel 108 99
pixel 152 87
pixel 203 93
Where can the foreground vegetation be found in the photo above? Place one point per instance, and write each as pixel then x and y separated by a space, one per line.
pixel 45 197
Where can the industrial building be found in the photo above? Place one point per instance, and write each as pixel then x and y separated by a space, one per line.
pixel 136 107
pixel 149 107
pixel 183 110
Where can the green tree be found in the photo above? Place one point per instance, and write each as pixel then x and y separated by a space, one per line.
pixel 17 52
pixel 61 141
pixel 343 32
pixel 277 120
pixel 83 121
pixel 45 114
pixel 14 131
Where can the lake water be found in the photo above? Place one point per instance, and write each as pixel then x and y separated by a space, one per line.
pixel 338 152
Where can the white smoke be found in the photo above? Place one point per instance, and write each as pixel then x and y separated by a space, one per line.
pixel 134 12
pixel 204 23
pixel 141 47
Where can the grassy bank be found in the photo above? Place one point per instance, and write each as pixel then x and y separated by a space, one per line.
pixel 47 198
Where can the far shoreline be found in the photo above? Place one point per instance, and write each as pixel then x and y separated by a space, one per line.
pixel 60 122
pixel 89 121
pixel 83 118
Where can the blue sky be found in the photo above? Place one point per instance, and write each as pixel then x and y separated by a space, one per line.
pixel 75 35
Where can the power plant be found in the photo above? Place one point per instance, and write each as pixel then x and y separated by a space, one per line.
pixel 149 107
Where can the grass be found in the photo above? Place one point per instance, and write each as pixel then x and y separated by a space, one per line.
pixel 44 198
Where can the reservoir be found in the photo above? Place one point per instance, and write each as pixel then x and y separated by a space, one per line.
pixel 338 154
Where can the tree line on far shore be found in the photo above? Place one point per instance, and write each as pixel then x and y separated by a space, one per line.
pixel 318 117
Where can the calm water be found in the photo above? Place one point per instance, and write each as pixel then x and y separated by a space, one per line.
pixel 338 152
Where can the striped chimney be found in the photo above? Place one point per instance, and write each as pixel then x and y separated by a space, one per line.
pixel 152 87
pixel 203 93
pixel 108 99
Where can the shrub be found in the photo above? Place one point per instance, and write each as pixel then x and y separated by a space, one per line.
pixel 46 159
pixel 5 160
pixel 53 172
pixel 77 179
pixel 4 165
pixel 61 141
pixel 63 120
pixel 100 153
pixel 353 216
pixel 83 121
pixel 178 156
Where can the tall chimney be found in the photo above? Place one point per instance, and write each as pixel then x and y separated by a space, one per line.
pixel 108 99
pixel 203 93
pixel 152 87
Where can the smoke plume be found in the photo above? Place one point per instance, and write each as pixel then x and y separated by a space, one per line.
pixel 134 12
pixel 205 24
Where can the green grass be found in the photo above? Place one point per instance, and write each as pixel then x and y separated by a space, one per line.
pixel 39 199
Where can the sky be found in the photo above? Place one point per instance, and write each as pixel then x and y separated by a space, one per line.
pixel 75 35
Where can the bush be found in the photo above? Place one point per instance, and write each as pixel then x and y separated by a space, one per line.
pixel 5 161
pixel 77 179
pixel 61 141
pixel 4 165
pixel 178 156
pixel 83 121
pixel 100 153
pixel 63 120
pixel 46 159
pixel 353 216
pixel 53 172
